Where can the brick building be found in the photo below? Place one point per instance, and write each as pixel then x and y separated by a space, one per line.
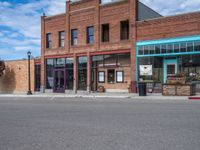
pixel 15 76
pixel 96 44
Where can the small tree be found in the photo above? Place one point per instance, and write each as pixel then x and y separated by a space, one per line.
pixel 2 67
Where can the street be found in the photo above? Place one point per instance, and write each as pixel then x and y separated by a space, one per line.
pixel 98 124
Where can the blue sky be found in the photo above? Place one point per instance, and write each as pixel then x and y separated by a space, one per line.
pixel 20 21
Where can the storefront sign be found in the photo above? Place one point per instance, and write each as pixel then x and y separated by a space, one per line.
pixel 146 70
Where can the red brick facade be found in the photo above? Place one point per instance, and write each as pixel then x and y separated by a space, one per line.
pixel 169 27
pixel 82 14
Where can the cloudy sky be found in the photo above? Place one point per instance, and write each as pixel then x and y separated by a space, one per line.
pixel 20 21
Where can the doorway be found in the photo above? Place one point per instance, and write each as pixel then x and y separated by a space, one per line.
pixel 59 81
pixel 170 67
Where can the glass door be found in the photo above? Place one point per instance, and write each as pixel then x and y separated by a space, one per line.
pixel 59 81
pixel 170 68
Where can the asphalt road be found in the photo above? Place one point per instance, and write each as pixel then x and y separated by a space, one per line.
pixel 98 124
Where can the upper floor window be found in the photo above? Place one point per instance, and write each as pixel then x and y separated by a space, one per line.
pixel 90 35
pixel 61 39
pixel 105 33
pixel 48 40
pixel 124 30
pixel 74 37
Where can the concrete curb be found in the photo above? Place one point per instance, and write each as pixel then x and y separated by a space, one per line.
pixel 98 96
pixel 161 98
pixel 64 96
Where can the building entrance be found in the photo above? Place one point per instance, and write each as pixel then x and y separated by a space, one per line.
pixel 59 81
pixel 170 68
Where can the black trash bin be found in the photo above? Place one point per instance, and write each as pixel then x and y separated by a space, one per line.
pixel 142 89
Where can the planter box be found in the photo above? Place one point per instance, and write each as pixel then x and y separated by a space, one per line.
pixel 178 89
pixel 169 90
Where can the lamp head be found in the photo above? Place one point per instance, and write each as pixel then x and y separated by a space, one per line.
pixel 29 53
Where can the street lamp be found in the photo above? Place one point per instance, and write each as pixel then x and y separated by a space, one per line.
pixel 29 74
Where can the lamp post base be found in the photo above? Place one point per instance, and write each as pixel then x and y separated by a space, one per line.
pixel 29 93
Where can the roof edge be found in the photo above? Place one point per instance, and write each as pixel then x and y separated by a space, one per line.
pixel 165 17
pixel 57 15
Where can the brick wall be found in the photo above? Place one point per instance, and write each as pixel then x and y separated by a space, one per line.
pixel 169 27
pixel 53 25
pixel 81 15
pixel 113 14
pixel 15 78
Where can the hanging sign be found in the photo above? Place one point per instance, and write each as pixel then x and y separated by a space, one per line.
pixel 146 70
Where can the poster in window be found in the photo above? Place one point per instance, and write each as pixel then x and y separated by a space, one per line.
pixel 50 81
pixel 120 76
pixel 146 70
pixel 101 76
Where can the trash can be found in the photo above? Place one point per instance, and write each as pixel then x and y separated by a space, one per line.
pixel 142 89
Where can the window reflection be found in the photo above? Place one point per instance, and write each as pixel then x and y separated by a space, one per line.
pixel 182 47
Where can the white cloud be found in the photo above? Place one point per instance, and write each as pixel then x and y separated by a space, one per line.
pixel 20 24
pixel 172 7
pixel 24 48
pixel 56 7
pixel 4 4
pixel 4 52
pixel 1 34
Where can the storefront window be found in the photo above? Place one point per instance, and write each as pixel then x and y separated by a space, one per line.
pixel 123 59
pixel 176 48
pixel 190 46
pixel 110 60
pixel 197 46
pixel 183 47
pixel 169 48
pixel 69 63
pixel 59 62
pixel 69 73
pixel 104 69
pixel 49 79
pixel 157 49
pixel 119 76
pixel 49 73
pixel 82 73
pixel 146 50
pixel 141 50
pixel 97 61
pixel 152 49
pixel 156 63
pixel 191 67
pixel 101 76
pixel 164 48
pixel 69 79
pixel 49 63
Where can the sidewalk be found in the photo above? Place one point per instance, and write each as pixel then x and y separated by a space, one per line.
pixel 100 95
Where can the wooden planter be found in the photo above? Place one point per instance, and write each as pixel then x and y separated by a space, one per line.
pixel 176 80
pixel 178 89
